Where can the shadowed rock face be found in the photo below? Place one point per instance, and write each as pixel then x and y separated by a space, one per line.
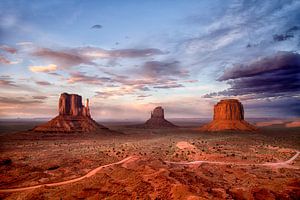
pixel 228 115
pixel 157 119
pixel 158 112
pixel 71 105
pixel 73 117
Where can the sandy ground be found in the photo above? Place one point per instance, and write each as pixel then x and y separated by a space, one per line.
pixel 263 165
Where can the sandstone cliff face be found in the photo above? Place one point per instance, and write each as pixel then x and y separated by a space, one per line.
pixel 71 105
pixel 230 109
pixel 228 115
pixel 157 119
pixel 73 117
pixel 158 112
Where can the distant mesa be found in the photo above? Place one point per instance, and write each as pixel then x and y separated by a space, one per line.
pixel 157 120
pixel 228 115
pixel 73 117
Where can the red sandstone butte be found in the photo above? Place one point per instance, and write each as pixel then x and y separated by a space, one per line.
pixel 73 117
pixel 157 119
pixel 228 115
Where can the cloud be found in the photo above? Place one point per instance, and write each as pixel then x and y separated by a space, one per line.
pixel 97 26
pixel 8 49
pixel 3 60
pixel 80 77
pixel 65 58
pixel 87 55
pixel 43 83
pixel 163 69
pixel 282 37
pixel 97 53
pixel 40 68
pixel 280 61
pixel 169 86
pixel 6 81
pixel 119 91
pixel 287 35
pixel 39 97
pixel 275 78
pixel 18 101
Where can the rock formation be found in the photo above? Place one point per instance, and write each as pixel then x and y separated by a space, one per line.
pixel 73 117
pixel 228 115
pixel 157 120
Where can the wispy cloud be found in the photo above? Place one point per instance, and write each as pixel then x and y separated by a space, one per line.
pixel 80 77
pixel 4 60
pixel 18 101
pixel 8 49
pixel 41 68
pixel 43 83
pixel 7 81
pixel 39 97
pixel 88 55
pixel 158 69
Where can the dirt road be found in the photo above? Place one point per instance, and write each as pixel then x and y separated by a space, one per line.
pixel 91 173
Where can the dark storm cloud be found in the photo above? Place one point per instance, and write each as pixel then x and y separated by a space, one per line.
pixel 287 35
pixel 282 37
pixel 97 26
pixel 280 62
pixel 270 85
pixel 274 76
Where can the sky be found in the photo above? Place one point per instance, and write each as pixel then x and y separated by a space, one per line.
pixel 130 56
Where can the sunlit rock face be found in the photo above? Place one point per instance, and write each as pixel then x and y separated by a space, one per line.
pixel 229 109
pixel 157 119
pixel 228 115
pixel 73 116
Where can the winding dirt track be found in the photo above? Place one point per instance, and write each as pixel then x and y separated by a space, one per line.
pixel 275 165
pixel 94 171
pixel 91 173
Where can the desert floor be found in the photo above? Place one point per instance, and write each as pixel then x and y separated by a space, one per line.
pixel 150 164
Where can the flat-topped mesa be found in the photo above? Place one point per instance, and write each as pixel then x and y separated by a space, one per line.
pixel 158 112
pixel 71 105
pixel 72 117
pixel 228 115
pixel 157 120
pixel 229 109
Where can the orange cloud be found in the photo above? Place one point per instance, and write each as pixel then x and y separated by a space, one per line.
pixel 40 68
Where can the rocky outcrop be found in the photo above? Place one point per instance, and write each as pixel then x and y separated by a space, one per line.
pixel 228 115
pixel 72 117
pixel 157 119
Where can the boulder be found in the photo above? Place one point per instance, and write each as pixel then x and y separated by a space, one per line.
pixel 228 115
